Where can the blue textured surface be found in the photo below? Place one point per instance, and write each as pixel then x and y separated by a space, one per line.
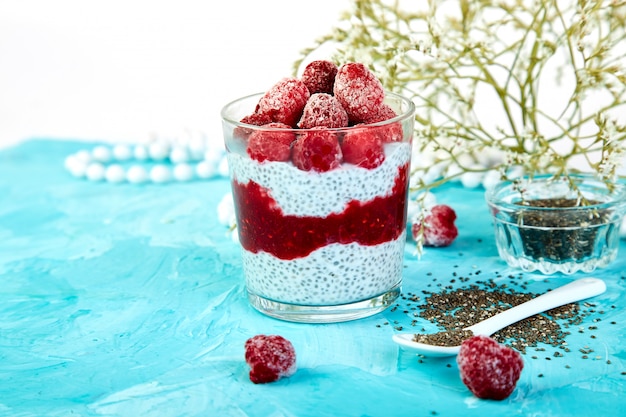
pixel 124 300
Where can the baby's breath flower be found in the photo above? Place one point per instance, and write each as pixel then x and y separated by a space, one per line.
pixel 523 80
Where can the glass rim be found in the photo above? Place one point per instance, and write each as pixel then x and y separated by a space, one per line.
pixel 409 112
pixel 495 196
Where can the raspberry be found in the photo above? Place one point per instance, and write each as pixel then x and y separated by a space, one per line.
pixel 317 150
pixel 323 110
pixel 389 132
pixel 319 76
pixel 271 145
pixel 438 226
pixel 359 91
pixel 488 369
pixel 270 358
pixel 284 101
pixel 363 147
pixel 256 119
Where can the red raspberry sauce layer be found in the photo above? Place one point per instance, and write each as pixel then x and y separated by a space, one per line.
pixel 264 227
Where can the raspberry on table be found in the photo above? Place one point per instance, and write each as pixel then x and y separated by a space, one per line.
pixel 273 144
pixel 270 358
pixel 359 91
pixel 490 370
pixel 317 149
pixel 323 110
pixel 363 147
pixel 319 76
pixel 284 101
pixel 437 228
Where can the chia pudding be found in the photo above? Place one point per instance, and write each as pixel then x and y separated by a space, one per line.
pixel 319 169
pixel 321 239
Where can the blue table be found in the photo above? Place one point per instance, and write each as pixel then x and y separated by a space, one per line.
pixel 128 300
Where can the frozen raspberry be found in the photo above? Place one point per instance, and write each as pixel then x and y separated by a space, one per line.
pixel 270 358
pixel 363 147
pixel 319 76
pixel 437 227
pixel 257 119
pixel 285 101
pixel 390 132
pixel 359 91
pixel 488 369
pixel 273 144
pixel 317 150
pixel 323 110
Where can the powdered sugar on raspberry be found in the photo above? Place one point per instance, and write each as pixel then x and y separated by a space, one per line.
pixel 319 76
pixel 359 91
pixel 437 228
pixel 488 369
pixel 270 358
pixel 323 110
pixel 284 101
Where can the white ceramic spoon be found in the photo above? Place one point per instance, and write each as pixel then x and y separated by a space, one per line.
pixel 574 291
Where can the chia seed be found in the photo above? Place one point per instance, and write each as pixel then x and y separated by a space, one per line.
pixel 454 310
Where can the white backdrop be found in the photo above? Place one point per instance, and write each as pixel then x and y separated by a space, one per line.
pixel 119 70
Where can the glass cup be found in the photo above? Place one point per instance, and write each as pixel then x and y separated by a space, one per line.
pixel 321 247
pixel 549 231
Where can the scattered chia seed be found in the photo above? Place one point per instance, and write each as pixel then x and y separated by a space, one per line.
pixel 452 310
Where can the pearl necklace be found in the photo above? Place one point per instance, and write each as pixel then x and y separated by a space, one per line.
pixel 180 162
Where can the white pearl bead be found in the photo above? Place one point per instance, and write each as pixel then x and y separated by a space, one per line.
pixel 196 147
pixel 84 156
pixel 205 169
pixel 214 154
pixel 183 172
pixel 178 155
pixel 122 152
pixel 471 179
pixel 491 179
pixel 222 168
pixel 140 152
pixel 226 210
pixel 158 151
pixel 114 173
pixel 137 174
pixel 160 174
pixel 75 166
pixel 95 171
pixel 101 153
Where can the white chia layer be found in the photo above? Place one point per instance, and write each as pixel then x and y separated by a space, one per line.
pixel 332 275
pixel 305 193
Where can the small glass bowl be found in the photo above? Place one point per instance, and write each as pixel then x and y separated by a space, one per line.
pixel 549 230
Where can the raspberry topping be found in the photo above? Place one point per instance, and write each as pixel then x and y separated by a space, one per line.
pixel 317 150
pixel 438 227
pixel 285 101
pixel 270 358
pixel 363 147
pixel 323 110
pixel 257 119
pixel 319 76
pixel 359 91
pixel 488 369
pixel 390 132
pixel 271 145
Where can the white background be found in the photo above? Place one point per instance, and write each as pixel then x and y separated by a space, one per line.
pixel 119 70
